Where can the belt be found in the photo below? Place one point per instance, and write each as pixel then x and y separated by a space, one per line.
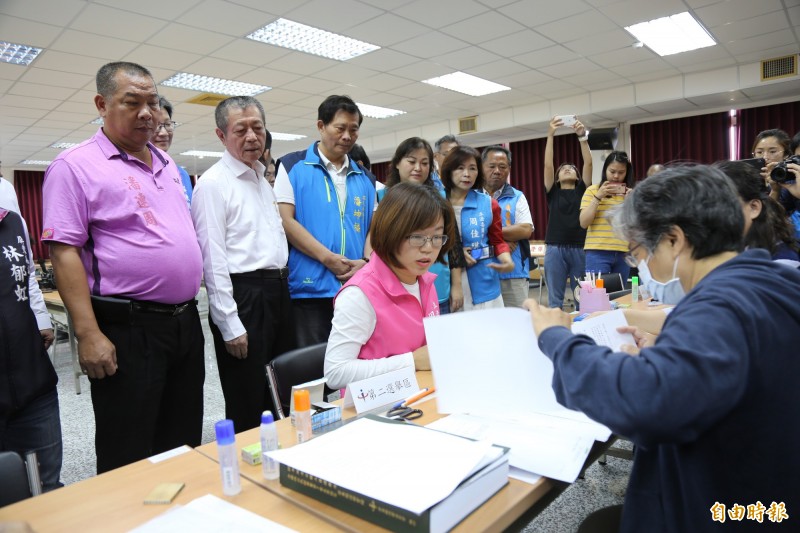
pixel 161 309
pixel 264 273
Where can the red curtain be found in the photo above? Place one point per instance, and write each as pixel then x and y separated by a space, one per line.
pixel 527 172
pixel 757 119
pixel 28 184
pixel 698 139
pixel 381 170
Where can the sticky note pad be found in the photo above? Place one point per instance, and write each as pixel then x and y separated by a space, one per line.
pixel 164 493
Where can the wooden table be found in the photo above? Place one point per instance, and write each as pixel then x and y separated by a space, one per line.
pixel 114 501
pixel 497 514
pixel 53 301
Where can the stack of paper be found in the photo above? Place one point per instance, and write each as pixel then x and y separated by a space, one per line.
pixel 504 383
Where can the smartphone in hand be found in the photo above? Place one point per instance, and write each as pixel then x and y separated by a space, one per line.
pixel 567 120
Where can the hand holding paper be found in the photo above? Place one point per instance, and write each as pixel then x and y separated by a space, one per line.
pixel 544 317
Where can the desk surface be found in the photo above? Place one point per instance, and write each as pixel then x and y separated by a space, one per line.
pixel 496 514
pixel 114 501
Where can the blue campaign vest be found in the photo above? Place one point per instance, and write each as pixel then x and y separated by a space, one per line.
pixel 476 217
pixel 508 206
pixel 317 210
pixel 442 271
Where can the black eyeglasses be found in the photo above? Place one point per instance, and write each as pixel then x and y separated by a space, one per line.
pixel 418 241
pixel 630 259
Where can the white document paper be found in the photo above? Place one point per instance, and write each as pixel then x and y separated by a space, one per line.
pixel 386 461
pixel 380 390
pixel 210 514
pixel 603 329
pixel 535 448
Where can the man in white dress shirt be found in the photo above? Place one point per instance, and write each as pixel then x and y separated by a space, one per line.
pixel 244 261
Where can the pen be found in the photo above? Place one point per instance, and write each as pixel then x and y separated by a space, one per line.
pixel 418 396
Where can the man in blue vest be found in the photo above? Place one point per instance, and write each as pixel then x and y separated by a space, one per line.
pixel 443 147
pixel 517 222
pixel 326 202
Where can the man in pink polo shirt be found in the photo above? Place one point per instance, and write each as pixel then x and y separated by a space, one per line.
pixel 128 267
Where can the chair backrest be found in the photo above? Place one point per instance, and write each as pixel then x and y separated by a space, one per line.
pixel 293 368
pixel 618 294
pixel 613 282
pixel 14 486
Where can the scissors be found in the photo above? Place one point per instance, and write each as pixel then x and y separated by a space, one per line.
pixel 404 413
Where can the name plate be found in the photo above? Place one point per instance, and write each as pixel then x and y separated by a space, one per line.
pixel 381 390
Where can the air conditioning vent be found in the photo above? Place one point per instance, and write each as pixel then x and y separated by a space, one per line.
pixel 467 125
pixel 209 99
pixel 779 67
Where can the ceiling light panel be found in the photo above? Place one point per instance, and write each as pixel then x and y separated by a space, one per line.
pixel 467 84
pixel 295 36
pixel 63 146
pixel 18 54
pixel 209 84
pixel 375 111
pixel 672 35
pixel 36 162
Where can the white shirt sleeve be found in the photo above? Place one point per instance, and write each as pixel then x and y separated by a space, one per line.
pixel 353 323
pixel 523 212
pixel 208 215
pixel 284 192
pixel 35 297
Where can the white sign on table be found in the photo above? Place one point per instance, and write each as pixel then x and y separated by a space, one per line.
pixel 381 390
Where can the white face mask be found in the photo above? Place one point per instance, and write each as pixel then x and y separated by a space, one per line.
pixel 670 292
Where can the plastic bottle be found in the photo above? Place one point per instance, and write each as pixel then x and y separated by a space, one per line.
pixel 635 289
pixel 269 442
pixel 228 458
pixel 302 415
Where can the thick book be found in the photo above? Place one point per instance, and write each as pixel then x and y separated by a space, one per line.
pixel 480 485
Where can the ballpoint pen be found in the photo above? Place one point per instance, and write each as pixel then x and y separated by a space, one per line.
pixel 418 396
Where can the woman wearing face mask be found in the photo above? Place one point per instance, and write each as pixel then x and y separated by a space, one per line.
pixel 480 226
pixel 605 253
pixel 412 163
pixel 565 238
pixel 712 403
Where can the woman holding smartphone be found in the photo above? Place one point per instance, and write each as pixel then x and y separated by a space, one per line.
pixel 605 253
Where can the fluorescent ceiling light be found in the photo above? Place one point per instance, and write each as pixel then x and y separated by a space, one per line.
pixel 63 146
pixel 37 162
pixel 98 121
pixel 375 111
pixel 202 153
pixel 467 84
pixel 18 54
pixel 672 35
pixel 208 84
pixel 286 136
pixel 296 36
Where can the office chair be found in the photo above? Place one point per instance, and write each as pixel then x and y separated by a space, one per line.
pixel 15 485
pixel 613 282
pixel 618 294
pixel 293 368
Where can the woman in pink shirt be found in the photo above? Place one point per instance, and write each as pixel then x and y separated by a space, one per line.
pixel 377 317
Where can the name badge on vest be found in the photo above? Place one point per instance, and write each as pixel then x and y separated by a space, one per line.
pixel 381 390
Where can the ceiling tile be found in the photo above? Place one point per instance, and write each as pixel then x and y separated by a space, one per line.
pixel 250 52
pixel 267 76
pixel 764 41
pixel 733 10
pixel 54 60
pixel 43 11
pixel 517 43
pixel 89 44
pixel 12 72
pixel 154 8
pixel 188 39
pixel 442 12
pixel 532 14
pixel 631 12
pixel 497 69
pixel 301 63
pixel 308 85
pixel 581 24
pixel 327 15
pixel 345 73
pixel 387 30
pixel 569 68
pixel 624 56
pixel 384 59
pixel 211 66
pixel 155 57
pixel 56 79
pixel 484 27
pixel 224 17
pixel 465 58
pixel 742 29
pixel 523 79
pixel 604 42
pixel 17 30
pixel 546 56
pixel 41 105
pixel 100 19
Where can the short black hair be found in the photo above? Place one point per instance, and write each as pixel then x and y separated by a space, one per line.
pixel 701 200
pixel 335 103
pixel 795 143
pixel 164 104
pixel 445 139
pixel 107 85
pixel 357 153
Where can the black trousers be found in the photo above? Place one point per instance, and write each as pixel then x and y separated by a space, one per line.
pixel 154 402
pixel 264 308
pixel 312 320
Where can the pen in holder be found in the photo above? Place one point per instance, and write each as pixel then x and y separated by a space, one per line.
pixel 592 298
